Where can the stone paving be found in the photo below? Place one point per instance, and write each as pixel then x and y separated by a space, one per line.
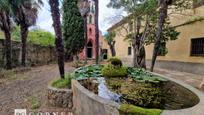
pixel 189 78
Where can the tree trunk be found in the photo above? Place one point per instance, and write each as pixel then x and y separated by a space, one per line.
pixel 138 51
pixel 112 50
pixel 97 32
pixel 6 27
pixel 24 35
pixel 8 49
pixel 160 23
pixel 135 63
pixel 54 5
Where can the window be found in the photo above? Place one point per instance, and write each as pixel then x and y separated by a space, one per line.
pixel 197 47
pixel 129 50
pixel 90 31
pixel 162 50
pixel 90 19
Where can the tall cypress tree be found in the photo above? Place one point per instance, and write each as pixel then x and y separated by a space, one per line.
pixel 73 28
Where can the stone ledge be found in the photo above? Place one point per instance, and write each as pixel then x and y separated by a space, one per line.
pixel 59 97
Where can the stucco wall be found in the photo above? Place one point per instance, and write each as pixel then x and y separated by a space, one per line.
pixel 178 50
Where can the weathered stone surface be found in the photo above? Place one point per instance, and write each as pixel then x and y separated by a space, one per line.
pixel 35 55
pixel 87 103
pixel 60 97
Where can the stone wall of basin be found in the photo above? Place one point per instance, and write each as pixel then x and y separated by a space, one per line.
pixel 60 97
pixel 87 103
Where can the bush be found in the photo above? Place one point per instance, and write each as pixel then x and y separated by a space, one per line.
pixel 63 83
pixel 114 71
pixel 115 61
pixel 127 109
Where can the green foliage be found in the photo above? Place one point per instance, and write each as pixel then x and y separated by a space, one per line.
pixel 34 101
pixel 141 75
pixel 115 61
pixel 88 71
pixel 143 94
pixel 109 38
pixel 128 109
pixel 63 83
pixel 73 28
pixel 41 37
pixel 15 35
pixel 110 70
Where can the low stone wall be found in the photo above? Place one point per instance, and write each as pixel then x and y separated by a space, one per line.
pixel 196 68
pixel 60 97
pixel 87 103
pixel 35 55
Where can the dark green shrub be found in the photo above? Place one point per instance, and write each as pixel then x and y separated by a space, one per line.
pixel 115 61
pixel 110 70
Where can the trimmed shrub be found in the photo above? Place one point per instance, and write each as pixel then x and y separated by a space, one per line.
pixel 114 71
pixel 115 61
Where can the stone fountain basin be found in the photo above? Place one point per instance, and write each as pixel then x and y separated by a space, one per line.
pixel 87 103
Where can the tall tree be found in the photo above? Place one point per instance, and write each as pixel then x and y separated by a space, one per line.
pixel 73 28
pixel 97 30
pixel 84 10
pixel 163 14
pixel 163 7
pixel 25 15
pixel 143 11
pixel 109 38
pixel 5 26
pixel 55 12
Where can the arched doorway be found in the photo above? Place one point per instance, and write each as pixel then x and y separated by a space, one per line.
pixel 89 50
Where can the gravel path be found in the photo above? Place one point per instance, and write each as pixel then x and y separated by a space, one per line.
pixel 16 91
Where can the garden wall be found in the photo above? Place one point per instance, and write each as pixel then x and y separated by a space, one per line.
pixel 36 54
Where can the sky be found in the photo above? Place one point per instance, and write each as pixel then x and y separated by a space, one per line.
pixel 107 16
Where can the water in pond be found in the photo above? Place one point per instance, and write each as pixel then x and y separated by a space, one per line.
pixel 168 95
pixel 104 92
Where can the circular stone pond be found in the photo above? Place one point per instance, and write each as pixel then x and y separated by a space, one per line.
pixel 94 93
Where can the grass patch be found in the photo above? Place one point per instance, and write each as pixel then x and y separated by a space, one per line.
pixel 63 83
pixel 127 109
pixel 35 102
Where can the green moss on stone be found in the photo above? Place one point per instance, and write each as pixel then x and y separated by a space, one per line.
pixel 127 109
